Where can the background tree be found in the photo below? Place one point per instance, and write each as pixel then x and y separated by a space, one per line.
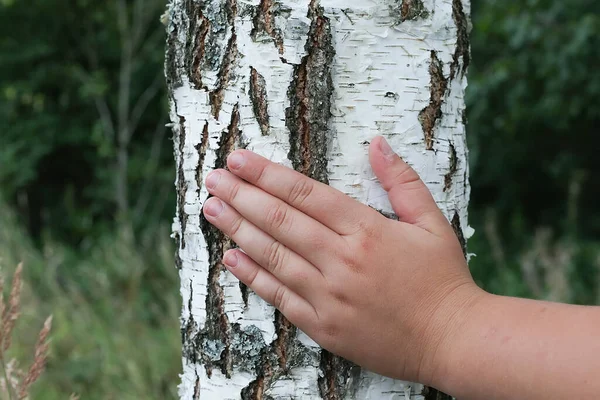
pixel 306 84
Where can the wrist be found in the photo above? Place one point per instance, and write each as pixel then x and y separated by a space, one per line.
pixel 447 326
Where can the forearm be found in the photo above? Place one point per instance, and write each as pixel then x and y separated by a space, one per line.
pixel 510 348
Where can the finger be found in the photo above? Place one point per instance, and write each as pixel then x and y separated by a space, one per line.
pixel 287 266
pixel 411 199
pixel 287 225
pixel 330 207
pixel 295 308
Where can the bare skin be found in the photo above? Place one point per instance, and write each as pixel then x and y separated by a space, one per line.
pixel 395 297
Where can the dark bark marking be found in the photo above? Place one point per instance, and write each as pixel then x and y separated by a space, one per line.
pixel 196 395
pixel 199 49
pixel 244 290
pixel 453 168
pixel 286 333
pixel 178 260
pixel 459 232
pixel 430 393
pixel 462 42
pixel 217 332
pixel 336 372
pixel 258 96
pixel 201 149
pixel 409 10
pixel 433 112
pixel 264 24
pixel 310 93
pixel 182 185
pixel 225 75
pixel 171 73
pixel 191 345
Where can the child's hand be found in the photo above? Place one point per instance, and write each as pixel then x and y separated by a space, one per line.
pixel 384 294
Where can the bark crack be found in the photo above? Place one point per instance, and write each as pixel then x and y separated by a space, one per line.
pixel 409 10
pixel 201 149
pixel 462 42
pixel 433 112
pixel 459 232
pixel 216 337
pixel 225 75
pixel 310 94
pixel 453 168
pixel 264 24
pixel 336 376
pixel 182 185
pixel 199 50
pixel 258 96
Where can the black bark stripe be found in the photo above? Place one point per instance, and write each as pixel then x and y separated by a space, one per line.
pixel 310 94
pixel 433 112
pixel 463 50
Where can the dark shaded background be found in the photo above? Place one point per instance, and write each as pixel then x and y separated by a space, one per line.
pixel 86 176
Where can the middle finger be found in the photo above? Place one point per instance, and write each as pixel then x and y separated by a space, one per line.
pixel 297 231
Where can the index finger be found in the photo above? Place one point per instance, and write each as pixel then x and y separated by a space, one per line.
pixel 327 205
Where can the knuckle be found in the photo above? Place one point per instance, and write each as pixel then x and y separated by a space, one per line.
pixel 301 191
pixel 276 216
pixel 234 191
pixel 339 291
pixel 235 226
pixel 261 173
pixel 252 277
pixel 406 175
pixel 328 332
pixel 274 256
pixel 280 298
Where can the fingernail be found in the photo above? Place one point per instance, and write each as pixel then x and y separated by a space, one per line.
pixel 213 207
pixel 236 160
pixel 212 180
pixel 385 148
pixel 231 259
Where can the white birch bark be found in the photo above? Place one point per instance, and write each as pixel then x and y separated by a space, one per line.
pixel 307 84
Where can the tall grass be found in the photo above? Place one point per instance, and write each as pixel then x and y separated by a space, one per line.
pixel 115 305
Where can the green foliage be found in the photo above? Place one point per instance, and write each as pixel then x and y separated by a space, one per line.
pixel 64 82
pixel 533 111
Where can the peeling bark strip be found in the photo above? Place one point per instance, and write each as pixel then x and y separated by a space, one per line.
pixel 453 168
pixel 264 24
pixel 310 93
pixel 462 41
pixel 258 96
pixel 430 114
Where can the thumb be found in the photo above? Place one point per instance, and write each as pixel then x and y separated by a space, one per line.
pixel 411 200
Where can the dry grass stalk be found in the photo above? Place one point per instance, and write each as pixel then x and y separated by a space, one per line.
pixel 14 384
pixel 39 360
pixel 10 314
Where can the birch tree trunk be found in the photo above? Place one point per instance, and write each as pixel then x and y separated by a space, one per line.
pixel 307 84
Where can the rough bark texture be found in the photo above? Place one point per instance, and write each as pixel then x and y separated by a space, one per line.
pixel 307 84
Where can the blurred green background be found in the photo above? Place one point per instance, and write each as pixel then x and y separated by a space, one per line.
pixel 86 176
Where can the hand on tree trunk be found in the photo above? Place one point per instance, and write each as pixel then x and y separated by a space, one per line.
pixel 365 287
